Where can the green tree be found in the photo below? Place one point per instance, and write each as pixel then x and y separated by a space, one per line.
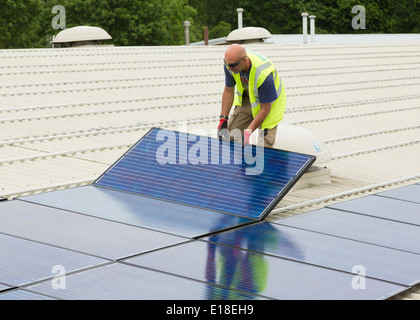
pixel 332 16
pixel 130 23
pixel 405 16
pixel 27 23
pixel 175 13
pixel 19 24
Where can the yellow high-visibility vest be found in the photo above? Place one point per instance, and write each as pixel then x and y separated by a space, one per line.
pixel 260 69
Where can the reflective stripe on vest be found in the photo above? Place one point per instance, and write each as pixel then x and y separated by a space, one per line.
pixel 260 69
pixel 258 72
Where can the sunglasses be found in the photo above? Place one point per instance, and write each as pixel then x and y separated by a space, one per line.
pixel 233 65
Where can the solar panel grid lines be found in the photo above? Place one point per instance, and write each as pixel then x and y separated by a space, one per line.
pixel 26 261
pixel 20 294
pixel 121 281
pixel 168 204
pixel 366 229
pixel 146 169
pixel 138 211
pixel 171 176
pixel 409 193
pixel 395 209
pixel 4 287
pixel 76 232
pixel 257 273
pixel 324 250
pixel 202 271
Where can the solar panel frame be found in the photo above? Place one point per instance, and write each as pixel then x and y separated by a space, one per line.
pixel 274 188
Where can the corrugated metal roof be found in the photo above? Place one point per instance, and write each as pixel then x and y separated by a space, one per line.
pixel 67 114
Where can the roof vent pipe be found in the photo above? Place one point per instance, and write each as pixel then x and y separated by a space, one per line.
pixel 187 32
pixel 305 27
pixel 206 36
pixel 312 27
pixel 239 11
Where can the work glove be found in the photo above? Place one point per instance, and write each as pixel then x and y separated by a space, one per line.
pixel 222 132
pixel 247 134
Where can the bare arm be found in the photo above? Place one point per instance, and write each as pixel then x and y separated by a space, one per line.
pixel 227 100
pixel 260 117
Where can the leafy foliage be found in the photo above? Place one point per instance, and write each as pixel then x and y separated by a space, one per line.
pixel 27 23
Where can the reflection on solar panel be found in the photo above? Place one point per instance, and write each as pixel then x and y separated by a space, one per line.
pixel 322 250
pixel 133 283
pixel 205 173
pixel 145 212
pixel 309 256
pixel 258 274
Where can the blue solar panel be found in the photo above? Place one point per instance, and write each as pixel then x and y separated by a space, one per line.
pixel 138 210
pixel 206 173
pixel 259 274
pixel 23 261
pixel 20 294
pixel 407 193
pixel 359 227
pixel 118 281
pixel 78 232
pixel 383 207
pixel 3 287
pixel 324 250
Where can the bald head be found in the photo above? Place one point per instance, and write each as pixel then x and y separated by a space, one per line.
pixel 236 55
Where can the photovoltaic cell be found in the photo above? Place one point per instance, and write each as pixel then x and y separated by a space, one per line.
pixel 358 227
pixel 383 207
pixel 23 261
pixel 206 173
pixel 73 231
pixel 259 274
pixel 3 287
pixel 324 250
pixel 146 212
pixel 119 281
pixel 407 193
pixel 20 294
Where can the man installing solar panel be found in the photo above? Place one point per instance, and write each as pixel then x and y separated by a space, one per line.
pixel 259 101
